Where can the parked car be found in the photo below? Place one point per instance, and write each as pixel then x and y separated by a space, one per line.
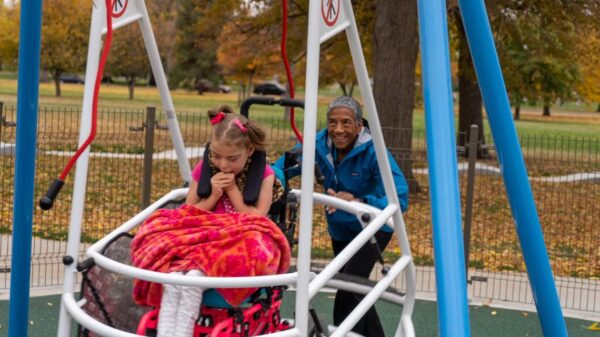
pixel 224 89
pixel 71 78
pixel 204 85
pixel 269 88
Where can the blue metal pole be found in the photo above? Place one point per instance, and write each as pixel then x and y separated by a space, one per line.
pixel 27 115
pixel 520 197
pixel 453 313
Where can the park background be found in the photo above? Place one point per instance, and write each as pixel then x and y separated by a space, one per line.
pixel 549 52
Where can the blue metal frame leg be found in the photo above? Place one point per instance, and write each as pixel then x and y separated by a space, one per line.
pixel 27 115
pixel 520 196
pixel 451 281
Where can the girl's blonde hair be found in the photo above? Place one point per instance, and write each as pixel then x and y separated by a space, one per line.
pixel 244 132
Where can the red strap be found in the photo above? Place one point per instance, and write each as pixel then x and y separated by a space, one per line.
pixel 103 57
pixel 288 71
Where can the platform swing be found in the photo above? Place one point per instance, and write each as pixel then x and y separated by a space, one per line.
pixel 261 315
pixel 451 292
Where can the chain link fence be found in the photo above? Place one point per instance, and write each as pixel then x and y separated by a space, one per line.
pixel 564 174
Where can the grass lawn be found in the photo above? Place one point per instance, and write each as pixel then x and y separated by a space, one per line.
pixel 568 120
pixel 110 179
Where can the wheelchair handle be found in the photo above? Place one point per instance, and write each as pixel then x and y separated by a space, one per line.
pixel 267 100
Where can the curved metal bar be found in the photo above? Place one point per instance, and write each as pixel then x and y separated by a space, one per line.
pixel 93 325
pixel 364 289
pixel 90 322
pixel 204 281
pixel 324 278
pixel 372 297
pixel 346 254
pixel 137 219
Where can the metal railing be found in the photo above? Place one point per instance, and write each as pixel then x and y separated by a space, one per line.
pixel 132 164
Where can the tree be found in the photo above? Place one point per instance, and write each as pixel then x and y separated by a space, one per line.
pixel 65 31
pixel 470 105
pixel 337 67
pixel 265 21
pixel 9 39
pixel 196 32
pixel 240 58
pixel 395 46
pixel 535 42
pixel 128 56
pixel 163 15
pixel 588 51
pixel 336 60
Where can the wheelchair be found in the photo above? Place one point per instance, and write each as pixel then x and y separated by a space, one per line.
pixel 108 299
pixel 260 315
pixel 108 294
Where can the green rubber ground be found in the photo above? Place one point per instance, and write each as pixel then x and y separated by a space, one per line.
pixel 485 321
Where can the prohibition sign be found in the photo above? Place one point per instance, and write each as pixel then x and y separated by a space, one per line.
pixel 119 7
pixel 330 10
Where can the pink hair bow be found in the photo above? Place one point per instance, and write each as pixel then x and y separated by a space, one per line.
pixel 239 124
pixel 218 117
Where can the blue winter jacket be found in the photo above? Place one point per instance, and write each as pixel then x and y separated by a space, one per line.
pixel 358 173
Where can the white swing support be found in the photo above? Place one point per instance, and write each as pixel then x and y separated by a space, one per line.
pixel 325 21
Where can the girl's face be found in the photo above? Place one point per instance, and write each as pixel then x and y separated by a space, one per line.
pixel 229 157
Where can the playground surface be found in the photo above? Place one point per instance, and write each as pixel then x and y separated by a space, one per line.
pixel 485 321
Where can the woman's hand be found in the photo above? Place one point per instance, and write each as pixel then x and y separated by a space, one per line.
pixel 341 195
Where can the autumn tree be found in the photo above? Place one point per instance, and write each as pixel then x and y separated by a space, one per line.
pixel 198 26
pixel 65 31
pixel 395 46
pixel 336 60
pixel 128 56
pixel 535 41
pixel 470 105
pixel 391 43
pixel 9 39
pixel 588 51
pixel 240 58
pixel 256 24
pixel 163 15
pixel 336 65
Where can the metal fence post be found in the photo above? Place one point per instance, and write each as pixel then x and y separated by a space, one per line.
pixel 1 118
pixel 472 148
pixel 148 152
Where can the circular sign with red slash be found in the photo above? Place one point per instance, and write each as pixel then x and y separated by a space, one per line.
pixel 119 7
pixel 330 10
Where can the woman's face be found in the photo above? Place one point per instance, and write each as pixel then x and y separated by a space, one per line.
pixel 343 128
pixel 229 157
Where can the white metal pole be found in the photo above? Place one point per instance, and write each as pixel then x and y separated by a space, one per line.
pixel 163 87
pixel 81 170
pixel 381 153
pixel 308 167
pixel 369 101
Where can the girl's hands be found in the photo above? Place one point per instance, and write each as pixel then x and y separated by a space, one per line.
pixel 222 182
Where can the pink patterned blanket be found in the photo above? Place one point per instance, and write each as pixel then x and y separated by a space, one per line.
pixel 218 244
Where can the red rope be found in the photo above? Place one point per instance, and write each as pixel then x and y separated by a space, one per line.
pixel 288 71
pixel 103 57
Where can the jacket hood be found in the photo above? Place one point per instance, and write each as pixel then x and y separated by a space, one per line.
pixel 363 138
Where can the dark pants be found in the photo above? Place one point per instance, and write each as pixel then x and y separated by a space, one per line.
pixel 361 264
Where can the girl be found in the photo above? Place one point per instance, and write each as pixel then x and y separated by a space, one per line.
pixel 233 141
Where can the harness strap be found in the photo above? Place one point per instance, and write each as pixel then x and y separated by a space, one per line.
pixel 256 171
